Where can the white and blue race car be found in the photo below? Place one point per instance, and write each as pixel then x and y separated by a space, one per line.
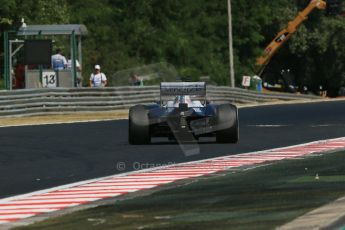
pixel 183 114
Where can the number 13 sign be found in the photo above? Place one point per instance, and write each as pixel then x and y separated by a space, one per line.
pixel 49 79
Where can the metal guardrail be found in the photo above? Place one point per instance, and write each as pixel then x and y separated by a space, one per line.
pixel 67 100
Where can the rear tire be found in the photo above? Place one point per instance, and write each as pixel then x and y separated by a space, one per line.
pixel 138 126
pixel 227 124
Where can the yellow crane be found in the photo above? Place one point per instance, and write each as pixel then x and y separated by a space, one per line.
pixel 286 33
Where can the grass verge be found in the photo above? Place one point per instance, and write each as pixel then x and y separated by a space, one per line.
pixel 73 117
pixel 260 198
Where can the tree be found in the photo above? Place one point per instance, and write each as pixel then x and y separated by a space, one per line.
pixel 192 35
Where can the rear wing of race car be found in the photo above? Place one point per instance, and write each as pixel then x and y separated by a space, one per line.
pixel 183 88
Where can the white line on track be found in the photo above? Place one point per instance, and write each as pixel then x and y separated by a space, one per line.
pixel 114 184
pixel 16 206
pixel 44 200
pixel 268 126
pixel 116 192
pixel 37 210
pixel 15 216
pixel 77 196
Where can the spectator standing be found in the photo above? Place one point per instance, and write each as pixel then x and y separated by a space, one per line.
pixel 98 79
pixel 58 61
pixel 77 65
pixel 135 80
pixel 78 69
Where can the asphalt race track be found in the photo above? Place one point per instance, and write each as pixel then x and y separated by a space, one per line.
pixel 38 157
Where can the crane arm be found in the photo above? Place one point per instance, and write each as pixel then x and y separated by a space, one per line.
pixel 286 33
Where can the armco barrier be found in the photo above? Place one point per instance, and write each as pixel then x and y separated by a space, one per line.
pixel 67 100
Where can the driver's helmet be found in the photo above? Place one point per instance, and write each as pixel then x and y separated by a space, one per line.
pixel 182 99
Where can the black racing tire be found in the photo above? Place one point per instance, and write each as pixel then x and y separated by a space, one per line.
pixel 138 126
pixel 227 124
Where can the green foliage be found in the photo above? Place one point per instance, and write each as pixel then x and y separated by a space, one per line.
pixel 42 11
pixel 6 7
pixel 192 35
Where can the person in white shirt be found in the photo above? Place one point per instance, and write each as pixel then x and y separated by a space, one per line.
pixel 78 69
pixel 77 64
pixel 58 61
pixel 98 79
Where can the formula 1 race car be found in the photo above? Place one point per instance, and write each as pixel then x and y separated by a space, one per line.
pixel 183 114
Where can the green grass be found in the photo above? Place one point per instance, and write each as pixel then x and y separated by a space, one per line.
pixel 260 198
